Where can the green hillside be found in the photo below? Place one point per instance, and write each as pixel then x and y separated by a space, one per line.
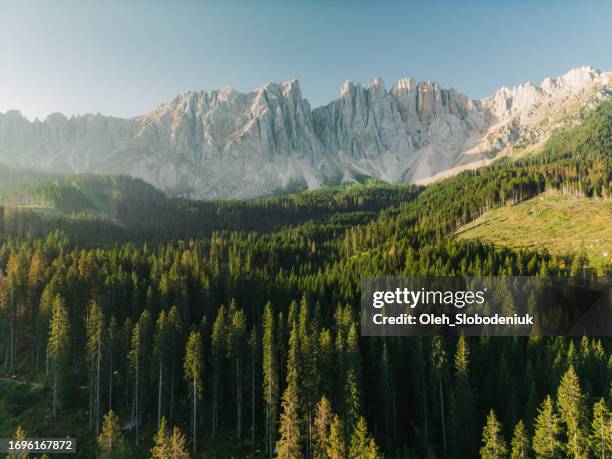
pixel 562 225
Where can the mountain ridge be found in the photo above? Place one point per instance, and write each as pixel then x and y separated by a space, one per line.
pixel 224 143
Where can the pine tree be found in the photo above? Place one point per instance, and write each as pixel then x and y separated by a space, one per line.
pixel 135 362
pixel 352 390
pixel 521 446
pixel 219 333
pixel 236 351
pixel 289 444
pixel 59 348
pixel 601 430
pixel 363 445
pixel 95 331
pixel 175 333
pixel 168 446
pixel 494 446
pixel 111 443
pixel 270 376
pixel 178 445
pixel 193 376
pixel 572 413
pixel 113 339
pixel 336 447
pixel 546 443
pixel 20 435
pixel 160 352
pixel 322 424
pixel 463 401
pixel 254 365
pixel 439 364
pixel 161 441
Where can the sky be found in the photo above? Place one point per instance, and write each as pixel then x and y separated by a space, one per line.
pixel 125 57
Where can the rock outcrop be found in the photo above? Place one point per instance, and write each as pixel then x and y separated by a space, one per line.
pixel 221 144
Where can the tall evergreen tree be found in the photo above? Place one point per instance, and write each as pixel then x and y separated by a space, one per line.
pixel 463 401
pixel 194 361
pixel 169 446
pixel 521 445
pixel 572 413
pixel 289 444
pixel 160 352
pixel 336 446
pixel 95 332
pixel 219 333
pixel 439 364
pixel 111 443
pixel 546 443
pixel 236 351
pixel 270 375
pixel 363 445
pixel 601 430
pixel 493 444
pixel 322 425
pixel 59 349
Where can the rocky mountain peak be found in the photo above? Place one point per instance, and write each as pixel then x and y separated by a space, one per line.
pixel 224 143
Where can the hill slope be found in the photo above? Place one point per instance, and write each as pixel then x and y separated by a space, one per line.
pixel 562 225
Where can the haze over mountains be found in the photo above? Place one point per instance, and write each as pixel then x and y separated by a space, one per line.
pixel 223 143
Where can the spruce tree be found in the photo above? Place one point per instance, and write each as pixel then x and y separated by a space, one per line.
pixel 493 443
pixel 322 424
pixel 439 363
pixel 521 445
pixel 135 357
pixel 336 447
pixel 20 435
pixel 193 376
pixel 363 445
pixel 236 352
pixel 601 430
pixel 270 376
pixel 546 443
pixel 59 349
pixel 463 401
pixel 95 331
pixel 160 352
pixel 572 413
pixel 219 334
pixel 289 444
pixel 161 441
pixel 168 446
pixel 111 443
pixel 352 389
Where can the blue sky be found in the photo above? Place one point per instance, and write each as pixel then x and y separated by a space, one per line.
pixel 124 57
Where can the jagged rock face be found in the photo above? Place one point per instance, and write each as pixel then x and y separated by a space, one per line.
pixel 219 144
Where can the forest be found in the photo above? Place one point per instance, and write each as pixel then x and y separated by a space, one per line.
pixel 151 326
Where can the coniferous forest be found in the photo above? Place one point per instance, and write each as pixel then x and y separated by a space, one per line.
pixel 150 326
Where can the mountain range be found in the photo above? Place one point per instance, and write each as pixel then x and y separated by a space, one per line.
pixel 227 144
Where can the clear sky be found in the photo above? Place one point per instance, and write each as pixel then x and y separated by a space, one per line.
pixel 124 57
